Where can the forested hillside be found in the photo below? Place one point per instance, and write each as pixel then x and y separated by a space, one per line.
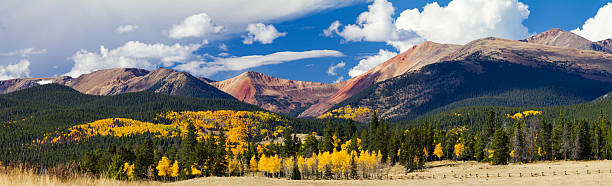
pixel 474 116
pixel 28 115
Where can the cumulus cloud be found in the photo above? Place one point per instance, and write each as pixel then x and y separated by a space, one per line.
pixel 199 25
pixel 126 28
pixel 332 69
pixel 26 52
pixel 262 33
pixel 18 70
pixel 459 22
pixel 465 20
pixel 204 68
pixel 370 62
pixel 131 54
pixel 599 27
pixel 376 24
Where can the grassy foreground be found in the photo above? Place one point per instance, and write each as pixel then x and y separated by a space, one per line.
pixel 437 173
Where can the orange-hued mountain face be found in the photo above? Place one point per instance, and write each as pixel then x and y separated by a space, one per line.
pixel 411 60
pixel 275 94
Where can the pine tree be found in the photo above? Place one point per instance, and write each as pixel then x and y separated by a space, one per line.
pixel 382 140
pixel 372 135
pixel 311 145
pixel 352 129
pixel 188 147
pixel 327 141
pixel 500 148
pixel 479 147
pixel 220 157
pixel 557 140
pixel 582 146
pixel 295 174
pixel 490 125
pixel 144 159
pixel 544 139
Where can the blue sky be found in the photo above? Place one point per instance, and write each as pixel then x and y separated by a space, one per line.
pixel 38 40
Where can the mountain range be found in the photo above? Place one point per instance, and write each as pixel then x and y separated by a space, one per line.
pixel 555 67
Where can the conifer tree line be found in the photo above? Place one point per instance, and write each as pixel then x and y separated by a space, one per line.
pixel 345 151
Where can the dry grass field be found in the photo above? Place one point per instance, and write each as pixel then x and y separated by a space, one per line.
pixel 438 173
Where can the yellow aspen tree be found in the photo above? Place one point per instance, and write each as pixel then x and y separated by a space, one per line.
pixel 195 170
pixel 253 164
pixel 459 148
pixel 163 167
pixel 175 169
pixel 438 151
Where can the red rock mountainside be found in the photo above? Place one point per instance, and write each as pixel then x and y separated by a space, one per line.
pixel 411 60
pixel 275 94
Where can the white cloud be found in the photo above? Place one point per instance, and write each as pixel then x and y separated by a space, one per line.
pixel 18 70
pixel 199 25
pixel 262 33
pixel 465 20
pixel 459 22
pixel 126 28
pixel 223 47
pixel 26 52
pixel 132 54
pixel 599 27
pixel 333 28
pixel 203 68
pixel 370 62
pixel 376 24
pixel 339 79
pixel 332 69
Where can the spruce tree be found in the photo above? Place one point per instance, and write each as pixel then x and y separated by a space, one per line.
pixel 188 147
pixel 327 141
pixel 352 129
pixel 544 141
pixel 500 148
pixel 557 140
pixel 295 174
pixel 220 154
pixel 490 125
pixel 144 159
pixel 582 146
pixel 311 145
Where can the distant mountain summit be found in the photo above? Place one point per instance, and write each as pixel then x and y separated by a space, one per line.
pixel 275 94
pixel 122 80
pixel 492 71
pixel 561 38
